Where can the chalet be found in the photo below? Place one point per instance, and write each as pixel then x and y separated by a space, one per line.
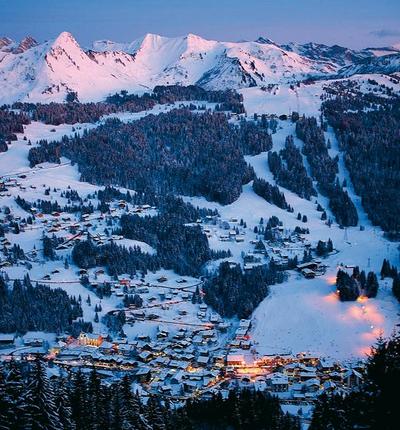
pixel 240 333
pixel 142 374
pixel 6 340
pixel 126 350
pixel 107 347
pixel 215 318
pixel 311 265
pixel 352 378
pixel 198 341
pixel 312 385
pixel 235 360
pixel 145 356
pixel 308 273
pixel 33 341
pixel 223 327
pixel 89 339
pixel 278 382
pixel 190 386
pixel 306 375
pixel 326 365
pixel 138 314
pixel 185 296
pixel 207 334
pixel 245 344
pixel 328 386
pixel 162 332
pixel 177 378
pixel 162 279
pixel 245 324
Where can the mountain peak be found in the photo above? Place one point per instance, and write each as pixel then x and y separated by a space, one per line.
pixel 5 41
pixel 65 38
pixel 265 41
pixel 26 43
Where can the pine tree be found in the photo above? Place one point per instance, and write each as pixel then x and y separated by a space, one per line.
pixel 17 398
pixel 5 403
pixel 63 404
pixel 131 413
pixel 42 408
pixel 396 287
pixel 79 400
pixel 154 414
pixel 372 285
pixel 386 269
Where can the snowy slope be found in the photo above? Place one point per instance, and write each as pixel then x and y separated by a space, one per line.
pixel 337 55
pixel 383 64
pixel 47 72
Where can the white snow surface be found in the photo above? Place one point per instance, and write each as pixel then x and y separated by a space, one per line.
pixel 47 72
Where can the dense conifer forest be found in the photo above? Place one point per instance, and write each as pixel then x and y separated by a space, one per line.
pixel 270 193
pixel 178 151
pixel 24 307
pixel 11 123
pixel 233 292
pixel 289 171
pixel 368 130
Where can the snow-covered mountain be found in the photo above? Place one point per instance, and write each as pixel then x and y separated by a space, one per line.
pixel 48 71
pixel 338 55
pixel 385 64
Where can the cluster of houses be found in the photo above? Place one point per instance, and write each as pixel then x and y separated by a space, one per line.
pixel 193 361
pixel 191 351
pixel 224 230
pixel 298 379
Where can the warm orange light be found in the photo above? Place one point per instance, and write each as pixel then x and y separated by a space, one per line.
pixel 331 298
pixel 331 280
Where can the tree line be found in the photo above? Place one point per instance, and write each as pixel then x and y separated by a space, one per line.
pixel 77 400
pixel 73 112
